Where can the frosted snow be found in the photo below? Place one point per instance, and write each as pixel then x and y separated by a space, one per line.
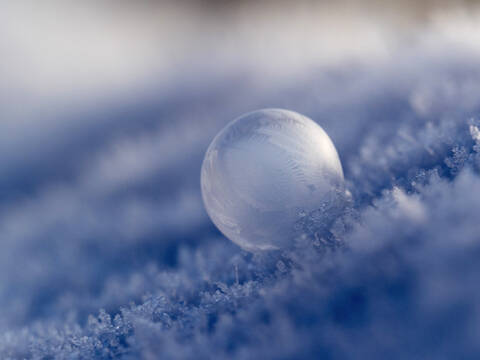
pixel 98 263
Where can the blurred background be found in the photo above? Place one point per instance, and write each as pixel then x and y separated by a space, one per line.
pixel 107 108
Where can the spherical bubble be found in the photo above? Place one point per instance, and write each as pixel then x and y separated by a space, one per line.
pixel 264 172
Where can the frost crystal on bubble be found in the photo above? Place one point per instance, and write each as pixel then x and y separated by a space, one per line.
pixel 264 171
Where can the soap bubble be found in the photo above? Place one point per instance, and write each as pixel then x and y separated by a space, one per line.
pixel 265 173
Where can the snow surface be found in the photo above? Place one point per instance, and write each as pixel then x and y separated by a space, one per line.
pixel 107 251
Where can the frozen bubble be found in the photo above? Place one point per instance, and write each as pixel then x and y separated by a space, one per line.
pixel 266 170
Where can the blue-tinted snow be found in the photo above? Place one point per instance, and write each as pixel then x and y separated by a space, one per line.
pixel 107 251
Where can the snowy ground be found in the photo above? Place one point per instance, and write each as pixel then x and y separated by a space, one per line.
pixel 106 249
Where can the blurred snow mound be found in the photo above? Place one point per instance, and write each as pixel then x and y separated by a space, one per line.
pixel 394 273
